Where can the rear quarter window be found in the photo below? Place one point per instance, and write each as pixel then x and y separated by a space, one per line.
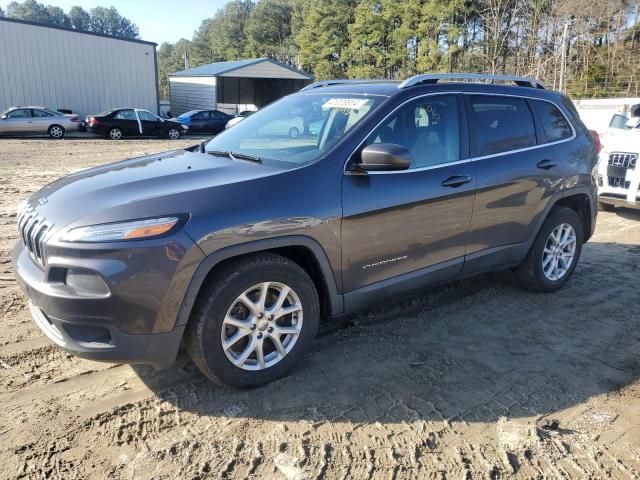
pixel 555 124
pixel 500 124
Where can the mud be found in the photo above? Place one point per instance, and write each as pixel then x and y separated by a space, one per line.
pixel 477 379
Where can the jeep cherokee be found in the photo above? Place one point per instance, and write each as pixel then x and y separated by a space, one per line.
pixel 237 247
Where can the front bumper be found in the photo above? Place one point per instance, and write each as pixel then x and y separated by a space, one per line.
pixel 108 344
pixel 618 183
pixel 134 323
pixel 618 200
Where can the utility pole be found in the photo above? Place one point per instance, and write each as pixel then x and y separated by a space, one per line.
pixel 563 58
pixel 186 60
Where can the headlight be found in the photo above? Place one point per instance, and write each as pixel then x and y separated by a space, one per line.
pixel 112 232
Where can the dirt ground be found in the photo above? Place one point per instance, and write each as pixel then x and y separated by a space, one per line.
pixel 474 380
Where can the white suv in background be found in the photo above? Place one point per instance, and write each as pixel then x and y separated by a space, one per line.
pixel 618 169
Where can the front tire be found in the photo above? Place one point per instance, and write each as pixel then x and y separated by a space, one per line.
pixel 294 132
pixel 254 321
pixel 173 134
pixel 554 254
pixel 56 131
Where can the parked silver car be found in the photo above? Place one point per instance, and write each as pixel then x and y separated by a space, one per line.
pixel 37 120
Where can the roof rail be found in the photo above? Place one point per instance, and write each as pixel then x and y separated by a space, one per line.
pixel 431 78
pixel 329 83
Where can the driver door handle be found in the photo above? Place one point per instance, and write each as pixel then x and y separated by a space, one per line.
pixel 456 181
pixel 546 164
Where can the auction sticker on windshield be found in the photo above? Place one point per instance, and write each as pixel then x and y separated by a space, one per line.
pixel 345 103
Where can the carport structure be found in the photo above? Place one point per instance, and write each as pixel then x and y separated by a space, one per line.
pixel 233 86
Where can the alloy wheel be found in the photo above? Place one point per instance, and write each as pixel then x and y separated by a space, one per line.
pixel 174 134
pixel 261 326
pixel 56 132
pixel 115 134
pixel 559 252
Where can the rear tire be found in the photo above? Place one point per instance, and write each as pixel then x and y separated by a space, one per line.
pixel 537 272
pixel 294 132
pixel 605 207
pixel 114 134
pixel 56 131
pixel 224 327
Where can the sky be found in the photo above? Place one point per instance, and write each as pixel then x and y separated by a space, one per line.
pixel 159 20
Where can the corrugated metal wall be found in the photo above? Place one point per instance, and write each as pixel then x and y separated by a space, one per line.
pixel 192 93
pixel 81 72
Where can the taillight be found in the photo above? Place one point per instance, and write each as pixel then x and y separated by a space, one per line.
pixel 596 138
pixel 93 121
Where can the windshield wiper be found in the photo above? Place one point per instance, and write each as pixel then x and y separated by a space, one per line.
pixel 219 153
pixel 235 155
pixel 244 156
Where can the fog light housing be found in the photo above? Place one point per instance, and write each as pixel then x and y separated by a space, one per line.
pixel 86 281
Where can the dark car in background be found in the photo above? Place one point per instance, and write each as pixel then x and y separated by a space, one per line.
pixel 30 120
pixel 204 121
pixel 133 122
pixel 237 247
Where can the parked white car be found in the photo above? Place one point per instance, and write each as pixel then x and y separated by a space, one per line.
pixel 291 127
pixel 618 169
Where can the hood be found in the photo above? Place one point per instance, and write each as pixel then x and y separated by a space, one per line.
pixel 618 140
pixel 111 192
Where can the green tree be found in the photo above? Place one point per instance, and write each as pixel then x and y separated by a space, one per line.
pixel 108 21
pixel 201 52
pixel 268 31
pixel 324 35
pixel 80 18
pixel 34 11
pixel 170 60
pixel 227 38
pixel 376 48
pixel 57 16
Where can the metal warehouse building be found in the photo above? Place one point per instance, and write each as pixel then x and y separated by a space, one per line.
pixel 233 86
pixel 84 72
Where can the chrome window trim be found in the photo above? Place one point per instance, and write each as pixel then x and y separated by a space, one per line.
pixel 466 160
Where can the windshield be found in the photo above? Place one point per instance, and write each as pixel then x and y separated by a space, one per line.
pixel 188 114
pixel 297 129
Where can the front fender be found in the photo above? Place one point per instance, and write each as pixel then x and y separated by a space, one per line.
pixel 215 258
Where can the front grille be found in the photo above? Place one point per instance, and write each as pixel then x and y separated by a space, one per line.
pixel 619 182
pixel 626 160
pixel 33 229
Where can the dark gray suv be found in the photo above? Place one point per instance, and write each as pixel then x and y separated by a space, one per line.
pixel 237 247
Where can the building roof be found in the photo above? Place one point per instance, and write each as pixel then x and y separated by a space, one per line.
pixel 241 68
pixel 56 27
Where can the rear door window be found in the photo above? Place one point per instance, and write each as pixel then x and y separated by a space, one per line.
pixel 125 115
pixel 555 124
pixel 40 113
pixel 500 124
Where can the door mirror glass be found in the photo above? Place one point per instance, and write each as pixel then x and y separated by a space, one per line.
pixel 384 157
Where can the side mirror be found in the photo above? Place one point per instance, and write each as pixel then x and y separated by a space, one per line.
pixel 384 157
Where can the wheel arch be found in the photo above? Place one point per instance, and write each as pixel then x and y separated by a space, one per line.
pixel 302 250
pixel 580 203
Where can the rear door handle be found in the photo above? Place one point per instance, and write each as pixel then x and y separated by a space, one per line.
pixel 546 164
pixel 456 181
